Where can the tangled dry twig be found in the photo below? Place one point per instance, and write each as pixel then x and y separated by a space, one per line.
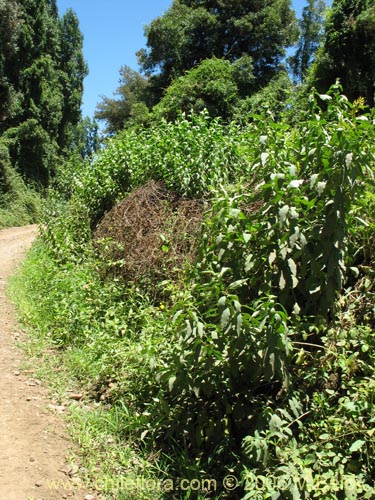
pixel 150 235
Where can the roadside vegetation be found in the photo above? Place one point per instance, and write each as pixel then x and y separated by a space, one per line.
pixel 255 355
pixel 20 204
pixel 206 278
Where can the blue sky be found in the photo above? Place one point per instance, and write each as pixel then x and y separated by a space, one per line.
pixel 113 33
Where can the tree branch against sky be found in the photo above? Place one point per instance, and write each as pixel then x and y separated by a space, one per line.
pixel 311 27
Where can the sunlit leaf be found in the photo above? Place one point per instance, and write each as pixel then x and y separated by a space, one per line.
pixel 296 183
pixel 263 158
pixel 357 445
pixel 225 318
pixel 171 382
pixel 282 281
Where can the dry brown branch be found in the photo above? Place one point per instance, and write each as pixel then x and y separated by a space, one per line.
pixel 150 235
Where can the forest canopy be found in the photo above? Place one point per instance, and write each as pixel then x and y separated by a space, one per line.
pixel 226 56
pixel 41 85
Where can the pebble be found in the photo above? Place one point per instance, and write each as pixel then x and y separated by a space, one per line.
pixel 76 397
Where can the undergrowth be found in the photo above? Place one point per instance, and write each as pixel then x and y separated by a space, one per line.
pixel 254 376
pixel 20 204
pixel 69 306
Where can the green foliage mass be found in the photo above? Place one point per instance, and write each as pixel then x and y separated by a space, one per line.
pixel 133 101
pixel 348 51
pixel 41 85
pixel 211 86
pixel 42 71
pixel 202 55
pixel 19 203
pixel 192 31
pixel 189 155
pixel 228 57
pixel 259 361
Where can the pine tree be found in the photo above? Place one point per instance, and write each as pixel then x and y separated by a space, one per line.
pixel 10 26
pixel 73 71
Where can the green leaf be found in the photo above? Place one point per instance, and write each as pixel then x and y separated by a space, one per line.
pixel 200 328
pixel 294 282
pixel 357 445
pixel 249 263
pixel 324 437
pixel 325 97
pixel 234 212
pixel 239 322
pixel 295 406
pixel 225 318
pixel 355 271
pixel 296 183
pixel 246 237
pixel 283 212
pixel 171 382
pixel 144 434
pixel 177 315
pixel 350 486
pixel 236 284
pixel 222 301
pixel 348 159
pixel 263 158
pixel 282 281
pixel 223 271
pixel 292 266
pixel 272 257
pixel 275 423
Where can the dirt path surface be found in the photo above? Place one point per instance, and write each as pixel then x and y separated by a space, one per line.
pixel 33 443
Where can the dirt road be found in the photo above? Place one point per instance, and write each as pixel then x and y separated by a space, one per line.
pixel 33 442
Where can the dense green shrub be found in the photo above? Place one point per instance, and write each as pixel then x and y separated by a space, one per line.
pixel 190 156
pixel 211 86
pixel 272 253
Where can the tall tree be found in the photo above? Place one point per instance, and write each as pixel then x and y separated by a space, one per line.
pixel 193 30
pixel 311 27
pixel 41 78
pixel 10 27
pixel 349 49
pixel 131 95
pixel 73 70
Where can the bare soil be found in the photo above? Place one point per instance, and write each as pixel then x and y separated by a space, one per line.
pixel 33 439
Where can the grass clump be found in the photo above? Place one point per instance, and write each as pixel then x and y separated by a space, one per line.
pixel 83 333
